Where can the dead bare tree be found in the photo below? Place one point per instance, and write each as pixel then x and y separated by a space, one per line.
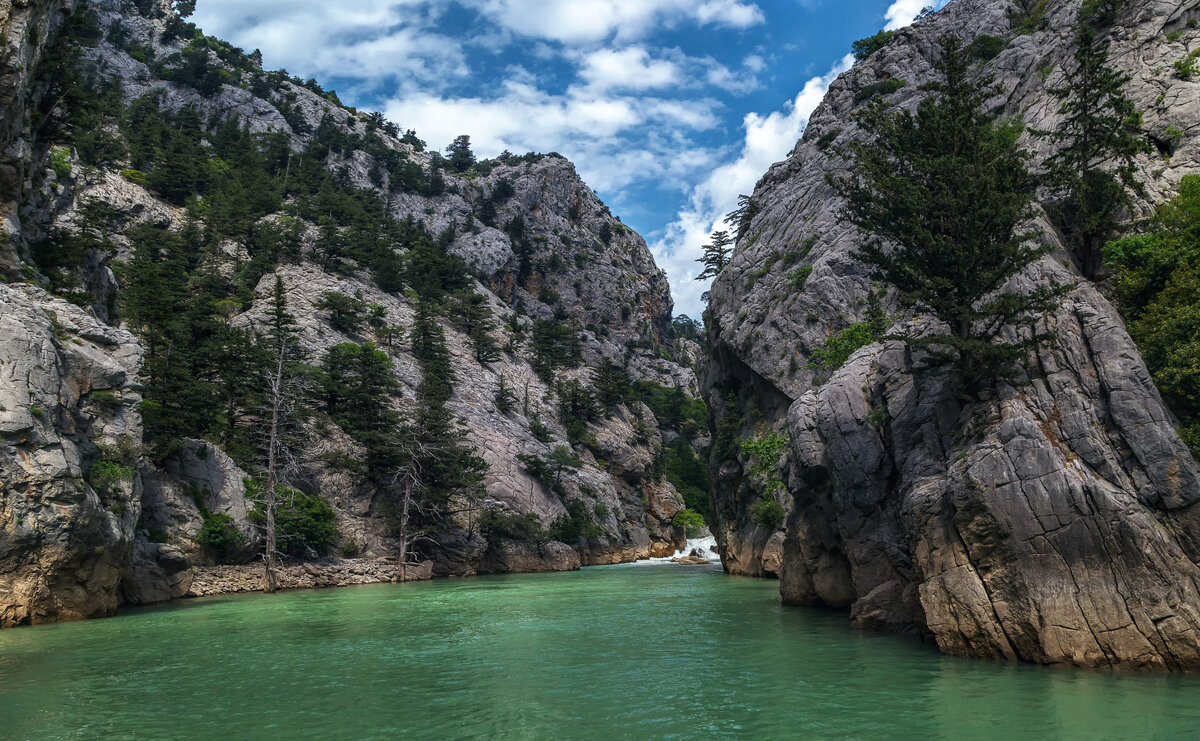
pixel 284 391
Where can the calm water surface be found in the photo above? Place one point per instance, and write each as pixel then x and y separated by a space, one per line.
pixel 640 651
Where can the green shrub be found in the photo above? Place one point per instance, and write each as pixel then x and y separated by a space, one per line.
pixel 105 476
pixel 106 401
pixel 764 452
pixel 60 161
pixel 496 525
pixel 690 520
pixel 1028 16
pixel 837 349
pixel 303 522
pixel 878 89
pixel 1156 275
pixel 1189 65
pixel 768 513
pixel 986 47
pixel 798 277
pixel 864 48
pixel 218 534
pixel 134 176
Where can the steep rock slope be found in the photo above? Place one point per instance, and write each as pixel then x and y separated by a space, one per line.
pixel 567 293
pixel 1055 521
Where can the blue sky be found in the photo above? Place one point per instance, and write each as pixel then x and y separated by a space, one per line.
pixel 669 108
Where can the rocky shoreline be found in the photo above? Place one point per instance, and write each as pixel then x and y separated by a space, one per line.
pixel 233 579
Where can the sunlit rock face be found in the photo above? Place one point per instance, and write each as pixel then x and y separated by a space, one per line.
pixel 69 551
pixel 1053 521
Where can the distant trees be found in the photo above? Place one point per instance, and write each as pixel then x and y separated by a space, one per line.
pixel 939 195
pixel 1098 140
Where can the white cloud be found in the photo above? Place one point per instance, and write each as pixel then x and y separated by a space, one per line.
pixel 589 21
pixel 614 140
pixel 367 41
pixel 767 140
pixel 902 13
pixel 630 68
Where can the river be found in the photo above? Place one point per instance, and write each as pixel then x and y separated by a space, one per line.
pixel 636 651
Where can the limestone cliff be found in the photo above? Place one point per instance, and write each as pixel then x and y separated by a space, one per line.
pixel 1055 521
pixel 89 516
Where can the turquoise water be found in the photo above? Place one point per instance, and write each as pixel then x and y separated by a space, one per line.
pixel 640 651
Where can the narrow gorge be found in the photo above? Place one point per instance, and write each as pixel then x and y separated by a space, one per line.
pixel 234 307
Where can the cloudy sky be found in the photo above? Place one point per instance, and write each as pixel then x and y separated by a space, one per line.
pixel 669 108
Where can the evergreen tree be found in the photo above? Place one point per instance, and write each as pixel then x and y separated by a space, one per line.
pixel 1098 140
pixel 612 385
pixel 939 196
pixel 716 255
pixel 461 157
pixel 505 399
pixel 357 383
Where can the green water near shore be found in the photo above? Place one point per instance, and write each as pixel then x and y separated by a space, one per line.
pixel 640 651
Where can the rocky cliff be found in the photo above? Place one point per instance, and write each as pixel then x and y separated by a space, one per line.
pixel 1053 521
pixel 95 509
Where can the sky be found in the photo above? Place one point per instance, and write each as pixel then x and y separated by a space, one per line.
pixel 669 108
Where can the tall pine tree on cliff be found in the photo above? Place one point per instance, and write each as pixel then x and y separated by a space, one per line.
pixel 939 196
pixel 1098 139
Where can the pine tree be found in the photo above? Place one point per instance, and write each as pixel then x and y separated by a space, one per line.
pixel 716 255
pixel 505 399
pixel 461 157
pixel 1098 139
pixel 939 196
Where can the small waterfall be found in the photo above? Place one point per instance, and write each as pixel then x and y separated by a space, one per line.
pixel 705 548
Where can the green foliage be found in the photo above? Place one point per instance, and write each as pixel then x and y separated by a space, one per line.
pixel 864 48
pixel 765 452
pixel 768 513
pixel 106 401
pixel 1188 65
pixel 836 350
pixel 985 47
pixel 1028 16
pixel 1156 274
pixel 60 161
pixel 305 524
pixel 878 90
pixel 549 469
pixel 828 138
pixel 574 526
pixel 1100 13
pixel 346 313
pixel 356 385
pixel 496 525
pixel 1098 141
pixel 461 157
pixel 576 407
pixel 555 344
pixel 798 277
pixel 504 398
pixel 106 477
pixel 673 408
pixel 691 521
pixel 742 216
pixel 716 255
pixel 218 534
pixel 688 474
pixel 939 195
pixel 540 432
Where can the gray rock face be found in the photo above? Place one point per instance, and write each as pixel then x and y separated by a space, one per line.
pixel 582 264
pixel 1055 521
pixel 69 490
